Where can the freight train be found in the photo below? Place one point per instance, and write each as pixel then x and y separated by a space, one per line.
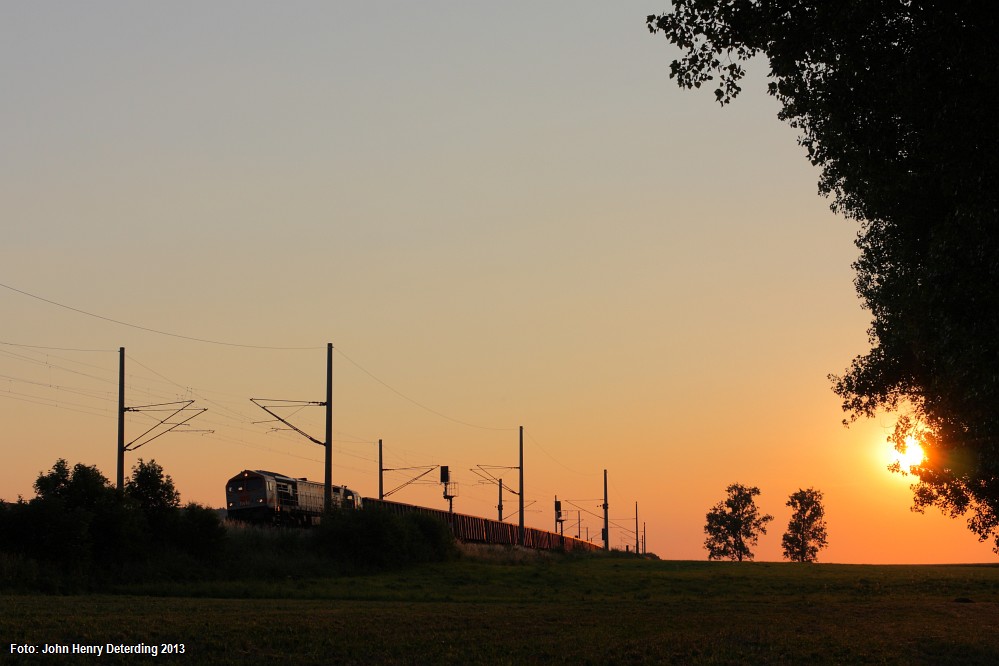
pixel 259 496
pixel 266 497
pixel 473 529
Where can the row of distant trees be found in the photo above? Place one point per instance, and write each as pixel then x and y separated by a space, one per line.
pixel 81 533
pixel 78 528
pixel 735 524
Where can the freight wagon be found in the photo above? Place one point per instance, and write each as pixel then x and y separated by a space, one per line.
pixel 473 529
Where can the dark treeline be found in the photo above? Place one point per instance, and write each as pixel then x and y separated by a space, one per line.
pixel 80 534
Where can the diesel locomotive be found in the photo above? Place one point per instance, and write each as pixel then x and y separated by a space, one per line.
pixel 259 496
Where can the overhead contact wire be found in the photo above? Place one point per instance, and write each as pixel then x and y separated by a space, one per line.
pixel 151 330
pixel 418 404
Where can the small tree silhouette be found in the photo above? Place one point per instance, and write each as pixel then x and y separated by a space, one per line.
pixel 153 491
pixel 733 526
pixel 806 531
pixel 79 487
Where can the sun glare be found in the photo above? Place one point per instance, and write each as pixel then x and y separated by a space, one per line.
pixel 913 454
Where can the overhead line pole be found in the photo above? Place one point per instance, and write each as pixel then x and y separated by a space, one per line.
pixel 637 550
pixel 131 446
pixel 328 482
pixel 521 468
pixel 606 516
pixel 500 505
pixel 328 442
pixel 121 419
pixel 381 472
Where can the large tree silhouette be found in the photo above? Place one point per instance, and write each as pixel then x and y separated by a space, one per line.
pixel 806 530
pixel 734 525
pixel 894 103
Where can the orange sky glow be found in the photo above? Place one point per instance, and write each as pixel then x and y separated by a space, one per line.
pixel 499 216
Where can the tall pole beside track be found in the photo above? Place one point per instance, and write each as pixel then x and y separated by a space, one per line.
pixel 500 505
pixel 121 419
pixel 381 468
pixel 184 409
pixel 328 483
pixel 521 468
pixel 637 549
pixel 606 518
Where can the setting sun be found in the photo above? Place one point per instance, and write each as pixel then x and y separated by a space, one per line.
pixel 912 456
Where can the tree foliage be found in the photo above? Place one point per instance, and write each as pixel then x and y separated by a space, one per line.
pixel 82 487
pixel 151 488
pixel 806 530
pixel 894 103
pixel 78 531
pixel 735 525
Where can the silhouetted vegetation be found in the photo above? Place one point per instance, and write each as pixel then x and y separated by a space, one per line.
pixel 376 539
pixel 894 104
pixel 806 530
pixel 735 524
pixel 78 534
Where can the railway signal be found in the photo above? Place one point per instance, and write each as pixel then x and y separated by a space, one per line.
pixel 450 488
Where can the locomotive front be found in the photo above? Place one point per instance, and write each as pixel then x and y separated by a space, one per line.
pixel 250 496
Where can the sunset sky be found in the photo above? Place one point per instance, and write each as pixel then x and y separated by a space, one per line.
pixel 500 214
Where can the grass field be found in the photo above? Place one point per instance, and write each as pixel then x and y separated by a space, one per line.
pixel 553 609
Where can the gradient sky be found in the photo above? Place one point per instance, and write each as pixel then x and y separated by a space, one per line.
pixel 500 214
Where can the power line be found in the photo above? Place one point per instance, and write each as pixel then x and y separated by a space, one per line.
pixel 88 393
pixel 234 344
pixel 90 410
pixel 51 402
pixel 559 462
pixel 406 397
pixel 233 414
pixel 98 394
pixel 49 364
pixel 151 330
pixel 243 417
pixel 240 417
pixel 72 349
pixel 586 511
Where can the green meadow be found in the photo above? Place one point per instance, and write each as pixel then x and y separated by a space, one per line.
pixel 511 608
